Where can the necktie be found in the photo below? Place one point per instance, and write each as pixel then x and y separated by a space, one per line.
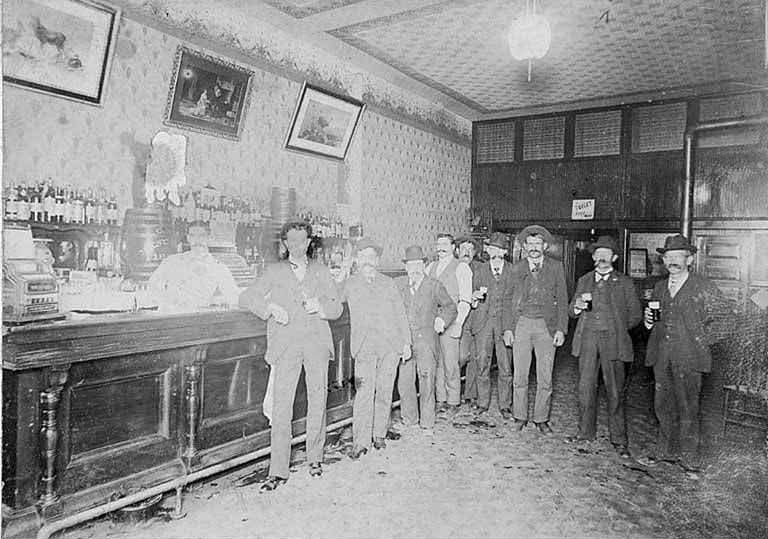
pixel 413 288
pixel 536 268
pixel 601 277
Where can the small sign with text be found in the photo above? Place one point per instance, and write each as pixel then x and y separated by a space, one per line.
pixel 583 209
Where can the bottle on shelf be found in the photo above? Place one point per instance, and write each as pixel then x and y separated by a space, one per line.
pixel 49 202
pixel 89 208
pixel 22 203
pixel 11 203
pixel 112 213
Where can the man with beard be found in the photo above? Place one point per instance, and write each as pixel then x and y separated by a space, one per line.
pixel 493 283
pixel 607 307
pixel 457 279
pixel 539 321
pixel 688 323
pixel 296 297
pixel 430 310
pixel 380 336
pixel 468 250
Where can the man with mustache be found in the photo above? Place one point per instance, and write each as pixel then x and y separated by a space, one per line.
pixel 678 350
pixel 493 283
pixel 296 297
pixel 538 321
pixel 430 310
pixel 469 251
pixel 457 279
pixel 607 307
pixel 380 336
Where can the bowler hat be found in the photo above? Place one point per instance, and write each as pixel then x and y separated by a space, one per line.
pixel 367 243
pixel 414 252
pixel 498 239
pixel 532 230
pixel 678 242
pixel 606 242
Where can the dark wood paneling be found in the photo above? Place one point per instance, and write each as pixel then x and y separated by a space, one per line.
pixel 731 183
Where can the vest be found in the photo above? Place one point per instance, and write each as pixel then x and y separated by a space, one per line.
pixel 448 278
pixel 674 335
pixel 599 318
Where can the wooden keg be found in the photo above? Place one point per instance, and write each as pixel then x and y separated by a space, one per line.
pixel 147 238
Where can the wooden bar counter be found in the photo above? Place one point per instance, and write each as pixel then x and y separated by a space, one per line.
pixel 99 409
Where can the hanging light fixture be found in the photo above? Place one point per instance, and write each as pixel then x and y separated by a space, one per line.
pixel 529 36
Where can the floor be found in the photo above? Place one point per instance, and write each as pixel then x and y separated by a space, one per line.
pixel 476 477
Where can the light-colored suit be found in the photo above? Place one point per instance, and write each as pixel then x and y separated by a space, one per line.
pixel 305 341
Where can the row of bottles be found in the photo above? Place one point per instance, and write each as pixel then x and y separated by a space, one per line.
pixel 324 226
pixel 208 205
pixel 48 203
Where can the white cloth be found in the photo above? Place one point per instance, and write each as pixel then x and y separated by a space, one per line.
pixel 602 276
pixel 269 396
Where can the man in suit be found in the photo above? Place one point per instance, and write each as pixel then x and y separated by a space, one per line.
pixel 430 311
pixel 607 307
pixel 380 337
pixel 296 297
pixel 538 321
pixel 493 284
pixel 469 251
pixel 457 279
pixel 691 318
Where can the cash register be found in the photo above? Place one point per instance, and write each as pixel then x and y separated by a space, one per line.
pixel 30 288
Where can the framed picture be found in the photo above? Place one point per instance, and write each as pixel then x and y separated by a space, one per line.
pixel 638 263
pixel 61 47
pixel 323 123
pixel 208 94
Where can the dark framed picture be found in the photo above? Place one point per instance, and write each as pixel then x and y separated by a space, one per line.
pixel 323 122
pixel 60 47
pixel 208 94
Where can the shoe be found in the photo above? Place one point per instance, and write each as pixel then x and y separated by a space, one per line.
pixel 544 427
pixel 506 413
pixel 481 410
pixel 520 424
pixel 357 452
pixel 315 469
pixel 441 407
pixel 272 483
pixel 379 443
pixel 652 460
pixel 622 450
pixel 690 466
pixel 575 439
pixel 393 435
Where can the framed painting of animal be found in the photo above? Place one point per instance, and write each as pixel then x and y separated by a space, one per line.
pixel 323 122
pixel 62 47
pixel 208 94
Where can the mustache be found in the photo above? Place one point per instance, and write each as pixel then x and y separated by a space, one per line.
pixel 678 266
pixel 602 261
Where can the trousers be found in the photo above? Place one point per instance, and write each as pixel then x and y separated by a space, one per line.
pixel 532 335
pixel 595 355
pixel 424 364
pixel 490 339
pixel 314 361
pixel 676 403
pixel 374 382
pixel 448 376
pixel 468 359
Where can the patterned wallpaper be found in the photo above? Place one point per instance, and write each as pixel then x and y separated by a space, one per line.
pixel 423 178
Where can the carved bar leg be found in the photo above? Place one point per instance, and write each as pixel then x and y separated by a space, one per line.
pixel 178 513
pixel 192 395
pixel 49 435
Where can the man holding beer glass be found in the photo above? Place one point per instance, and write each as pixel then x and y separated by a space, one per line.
pixel 682 329
pixel 607 307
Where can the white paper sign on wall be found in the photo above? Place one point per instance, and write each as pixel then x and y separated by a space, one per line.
pixel 583 209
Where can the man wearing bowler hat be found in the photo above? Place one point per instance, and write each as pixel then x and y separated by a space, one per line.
pixel 380 336
pixel 678 350
pixel 493 283
pixel 607 307
pixel 430 311
pixel 538 321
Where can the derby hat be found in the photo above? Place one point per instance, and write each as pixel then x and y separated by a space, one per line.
pixel 606 242
pixel 368 243
pixel 498 239
pixel 534 230
pixel 678 242
pixel 414 252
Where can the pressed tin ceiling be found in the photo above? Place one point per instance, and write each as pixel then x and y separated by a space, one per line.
pixel 602 50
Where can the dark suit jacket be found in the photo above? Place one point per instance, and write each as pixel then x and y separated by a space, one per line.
pixel 430 301
pixel 706 317
pixel 625 310
pixel 483 276
pixel 552 275
pixel 279 285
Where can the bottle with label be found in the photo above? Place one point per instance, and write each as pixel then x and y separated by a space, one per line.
pixel 78 207
pixel 100 213
pixel 89 207
pixel 22 203
pixel 68 210
pixel 49 202
pixel 35 203
pixel 112 210
pixel 11 206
